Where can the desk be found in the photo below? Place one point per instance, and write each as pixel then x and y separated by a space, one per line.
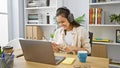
pixel 93 62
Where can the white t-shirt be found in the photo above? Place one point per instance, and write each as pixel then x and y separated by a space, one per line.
pixel 69 38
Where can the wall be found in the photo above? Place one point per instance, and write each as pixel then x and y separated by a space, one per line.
pixel 3 23
pixel 78 8
pixel 3 29
pixel 16 20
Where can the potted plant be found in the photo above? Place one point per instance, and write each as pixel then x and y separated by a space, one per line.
pixel 80 19
pixel 115 18
pixel 51 37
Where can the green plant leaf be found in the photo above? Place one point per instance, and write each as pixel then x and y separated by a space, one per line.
pixel 80 18
pixel 114 18
pixel 51 35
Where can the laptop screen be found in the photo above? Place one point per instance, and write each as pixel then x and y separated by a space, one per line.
pixel 38 51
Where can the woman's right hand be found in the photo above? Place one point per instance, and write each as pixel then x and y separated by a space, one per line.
pixel 55 47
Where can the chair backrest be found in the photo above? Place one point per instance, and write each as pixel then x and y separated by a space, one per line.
pixel 90 37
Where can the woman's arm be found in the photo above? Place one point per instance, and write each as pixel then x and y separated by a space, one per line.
pixel 85 41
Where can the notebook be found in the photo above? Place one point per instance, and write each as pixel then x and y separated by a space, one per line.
pixel 39 51
pixel 68 61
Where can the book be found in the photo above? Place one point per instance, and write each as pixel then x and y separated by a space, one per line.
pixel 93 1
pixel 68 61
pixel 101 40
pixel 33 22
pixel 32 16
pixel 103 17
pixel 99 15
pixel 90 1
pixel 90 16
pixel 101 0
pixel 93 16
pixel 96 15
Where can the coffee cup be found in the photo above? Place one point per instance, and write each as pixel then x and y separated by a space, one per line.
pixel 82 55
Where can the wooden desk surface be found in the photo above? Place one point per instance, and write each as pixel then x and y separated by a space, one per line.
pixel 93 62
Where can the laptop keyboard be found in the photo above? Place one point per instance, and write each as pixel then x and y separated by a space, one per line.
pixel 58 59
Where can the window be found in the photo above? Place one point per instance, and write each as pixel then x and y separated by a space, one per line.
pixel 3 22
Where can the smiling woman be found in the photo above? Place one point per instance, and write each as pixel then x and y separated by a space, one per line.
pixel 71 36
pixel 3 22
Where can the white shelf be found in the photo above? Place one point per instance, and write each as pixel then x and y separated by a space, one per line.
pixel 43 13
pixel 40 24
pixel 51 7
pixel 114 66
pixel 105 3
pixel 107 30
pixel 103 25
pixel 107 43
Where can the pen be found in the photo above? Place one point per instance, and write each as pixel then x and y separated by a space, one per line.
pixel 19 55
pixel 2 55
pixel 9 55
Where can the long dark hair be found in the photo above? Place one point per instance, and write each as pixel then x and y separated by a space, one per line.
pixel 65 13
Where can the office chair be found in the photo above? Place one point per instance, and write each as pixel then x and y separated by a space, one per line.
pixel 90 37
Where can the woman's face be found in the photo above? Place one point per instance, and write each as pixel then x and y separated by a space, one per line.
pixel 63 22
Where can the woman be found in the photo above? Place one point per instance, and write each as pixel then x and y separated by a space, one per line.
pixel 70 37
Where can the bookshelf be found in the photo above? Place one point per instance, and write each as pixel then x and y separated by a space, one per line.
pixel 105 3
pixel 39 14
pixel 106 30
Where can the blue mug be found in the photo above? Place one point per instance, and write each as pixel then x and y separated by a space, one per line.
pixel 82 55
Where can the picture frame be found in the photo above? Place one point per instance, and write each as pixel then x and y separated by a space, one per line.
pixel 118 36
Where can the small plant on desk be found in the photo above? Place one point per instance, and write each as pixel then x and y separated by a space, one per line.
pixel 51 37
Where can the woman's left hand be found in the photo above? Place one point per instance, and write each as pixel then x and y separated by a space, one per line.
pixel 68 49
pixel 72 49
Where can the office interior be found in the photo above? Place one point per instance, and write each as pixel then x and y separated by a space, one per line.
pixel 14 21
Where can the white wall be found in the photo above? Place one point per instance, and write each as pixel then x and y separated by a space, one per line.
pixel 15 22
pixel 16 19
pixel 3 30
pixel 78 8
pixel 3 23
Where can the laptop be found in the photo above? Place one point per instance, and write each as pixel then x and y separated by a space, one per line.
pixel 39 51
pixel 113 53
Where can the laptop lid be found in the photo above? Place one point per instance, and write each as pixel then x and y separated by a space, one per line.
pixel 38 51
pixel 113 53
